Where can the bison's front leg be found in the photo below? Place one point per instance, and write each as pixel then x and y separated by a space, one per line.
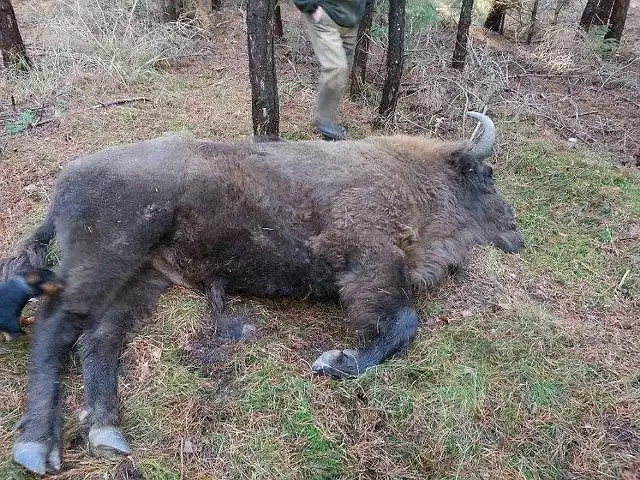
pixel 376 295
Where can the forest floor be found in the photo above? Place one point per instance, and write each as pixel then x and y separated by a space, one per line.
pixel 525 367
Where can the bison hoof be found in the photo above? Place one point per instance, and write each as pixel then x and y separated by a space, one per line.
pixel 106 441
pixel 37 457
pixel 338 363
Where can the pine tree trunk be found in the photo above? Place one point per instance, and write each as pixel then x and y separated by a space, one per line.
pixel 13 51
pixel 460 50
pixel 262 68
pixel 278 30
pixel 359 70
pixel 395 58
pixel 534 18
pixel 603 12
pixel 588 14
pixel 617 20
pixel 495 18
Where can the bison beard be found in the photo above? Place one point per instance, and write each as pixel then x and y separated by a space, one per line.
pixel 367 222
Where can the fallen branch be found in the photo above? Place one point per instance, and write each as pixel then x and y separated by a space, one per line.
pixel 122 101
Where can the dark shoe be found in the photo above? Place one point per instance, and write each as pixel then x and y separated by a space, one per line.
pixel 331 131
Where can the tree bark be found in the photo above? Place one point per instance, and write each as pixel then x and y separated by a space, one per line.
pixel 359 70
pixel 588 14
pixel 216 4
pixel 460 50
pixel 617 20
pixel 495 18
pixel 534 18
pixel 603 12
pixel 262 68
pixel 278 30
pixel 395 58
pixel 13 51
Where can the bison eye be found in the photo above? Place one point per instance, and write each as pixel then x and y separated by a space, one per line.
pixel 489 171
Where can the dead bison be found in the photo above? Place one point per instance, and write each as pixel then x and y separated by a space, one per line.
pixel 367 221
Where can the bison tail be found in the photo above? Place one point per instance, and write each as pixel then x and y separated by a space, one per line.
pixel 33 251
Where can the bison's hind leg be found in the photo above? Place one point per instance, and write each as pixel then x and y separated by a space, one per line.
pixel 375 293
pixel 93 275
pixel 100 350
pixel 38 445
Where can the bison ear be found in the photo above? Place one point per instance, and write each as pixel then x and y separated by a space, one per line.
pixel 462 160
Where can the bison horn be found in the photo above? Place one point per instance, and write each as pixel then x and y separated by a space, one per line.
pixel 482 149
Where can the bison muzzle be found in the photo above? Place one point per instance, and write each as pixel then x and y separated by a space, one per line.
pixel 368 222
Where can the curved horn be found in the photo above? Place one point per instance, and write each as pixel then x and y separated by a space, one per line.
pixel 482 149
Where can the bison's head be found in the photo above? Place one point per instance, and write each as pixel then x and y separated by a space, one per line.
pixel 492 218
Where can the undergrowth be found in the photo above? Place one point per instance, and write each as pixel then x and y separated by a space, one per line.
pixel 96 42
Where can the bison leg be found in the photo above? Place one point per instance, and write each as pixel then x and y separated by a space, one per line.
pixel 91 288
pixel 375 294
pixel 38 445
pixel 100 350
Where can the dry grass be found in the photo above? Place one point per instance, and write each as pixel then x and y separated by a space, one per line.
pixel 81 43
pixel 525 367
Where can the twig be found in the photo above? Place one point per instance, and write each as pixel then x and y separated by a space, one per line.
pixel 624 278
pixel 122 101
pixel 43 122
pixel 591 112
pixel 182 459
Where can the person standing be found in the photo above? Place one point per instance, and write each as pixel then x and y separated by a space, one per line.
pixel 333 29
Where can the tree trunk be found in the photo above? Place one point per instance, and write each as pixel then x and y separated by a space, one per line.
pixel 534 18
pixel 262 68
pixel 13 51
pixel 359 70
pixel 395 58
pixel 603 12
pixel 495 18
pixel 460 50
pixel 278 30
pixel 172 9
pixel 588 14
pixel 216 4
pixel 617 20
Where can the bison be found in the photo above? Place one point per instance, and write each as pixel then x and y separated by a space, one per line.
pixel 368 222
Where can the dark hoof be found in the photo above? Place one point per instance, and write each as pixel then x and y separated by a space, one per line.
pixel 37 457
pixel 105 441
pixel 338 363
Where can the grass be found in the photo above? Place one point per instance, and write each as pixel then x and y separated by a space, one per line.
pixel 528 369
pixel 574 212
pixel 99 44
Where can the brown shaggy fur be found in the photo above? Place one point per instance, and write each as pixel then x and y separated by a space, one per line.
pixel 364 221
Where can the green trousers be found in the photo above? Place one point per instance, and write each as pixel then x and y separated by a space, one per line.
pixel 334 46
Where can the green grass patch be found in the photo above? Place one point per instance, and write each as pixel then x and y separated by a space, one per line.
pixel 504 386
pixel 25 119
pixel 571 209
pixel 287 400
